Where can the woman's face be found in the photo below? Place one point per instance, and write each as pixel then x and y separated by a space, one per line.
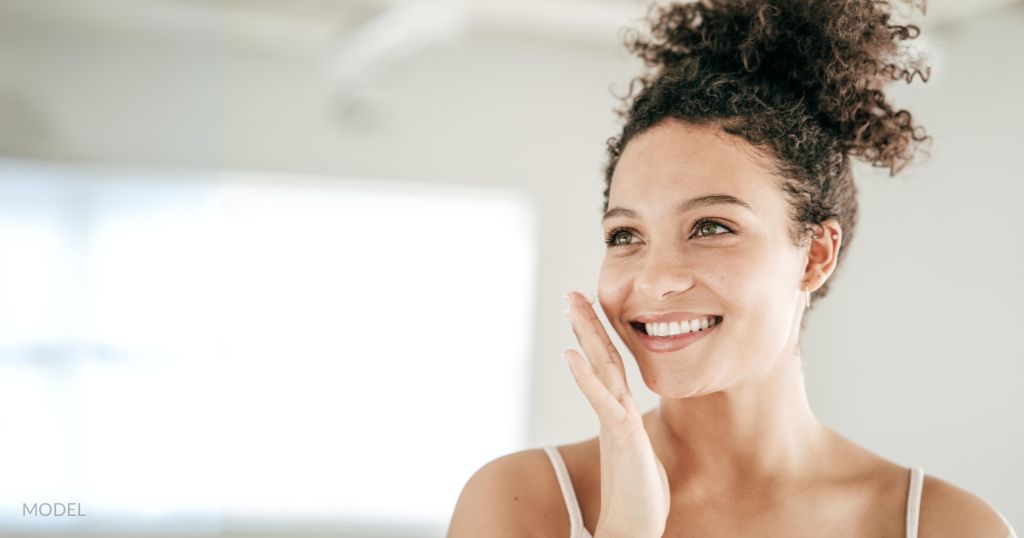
pixel 714 259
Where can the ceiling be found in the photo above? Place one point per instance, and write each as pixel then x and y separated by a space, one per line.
pixel 356 39
pixel 306 25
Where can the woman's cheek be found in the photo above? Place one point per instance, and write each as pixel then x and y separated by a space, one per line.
pixel 612 291
pixel 613 280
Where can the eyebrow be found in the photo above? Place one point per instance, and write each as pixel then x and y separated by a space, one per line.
pixel 693 203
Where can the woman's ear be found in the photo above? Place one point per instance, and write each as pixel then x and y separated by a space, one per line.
pixel 822 253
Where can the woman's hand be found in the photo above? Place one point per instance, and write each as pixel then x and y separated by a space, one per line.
pixel 634 486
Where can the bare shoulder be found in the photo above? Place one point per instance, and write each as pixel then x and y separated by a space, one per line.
pixel 947 510
pixel 515 495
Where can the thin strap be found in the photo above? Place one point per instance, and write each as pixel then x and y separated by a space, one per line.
pixel 568 493
pixel 914 500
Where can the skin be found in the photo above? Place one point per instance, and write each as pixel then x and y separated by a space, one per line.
pixel 734 429
pixel 733 435
pixel 741 447
pixel 733 408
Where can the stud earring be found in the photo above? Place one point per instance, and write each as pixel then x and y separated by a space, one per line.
pixel 834 236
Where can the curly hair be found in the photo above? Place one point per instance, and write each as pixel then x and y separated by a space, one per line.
pixel 801 80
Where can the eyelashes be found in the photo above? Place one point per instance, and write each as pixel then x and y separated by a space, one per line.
pixel 610 239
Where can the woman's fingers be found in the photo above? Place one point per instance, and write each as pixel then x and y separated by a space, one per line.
pixel 607 407
pixel 634 487
pixel 597 346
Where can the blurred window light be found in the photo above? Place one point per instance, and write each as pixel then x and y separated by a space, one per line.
pixel 201 352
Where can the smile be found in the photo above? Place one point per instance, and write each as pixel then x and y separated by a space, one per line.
pixel 671 336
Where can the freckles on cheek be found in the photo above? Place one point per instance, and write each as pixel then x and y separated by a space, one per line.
pixel 737 278
pixel 719 284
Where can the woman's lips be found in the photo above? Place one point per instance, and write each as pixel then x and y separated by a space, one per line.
pixel 664 344
pixel 673 316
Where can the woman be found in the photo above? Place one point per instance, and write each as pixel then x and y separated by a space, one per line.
pixel 729 205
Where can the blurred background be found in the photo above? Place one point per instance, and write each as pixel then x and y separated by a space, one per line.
pixel 294 268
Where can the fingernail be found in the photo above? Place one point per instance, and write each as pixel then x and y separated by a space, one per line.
pixel 590 298
pixel 568 314
pixel 566 297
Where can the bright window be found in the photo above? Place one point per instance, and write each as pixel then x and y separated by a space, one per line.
pixel 195 351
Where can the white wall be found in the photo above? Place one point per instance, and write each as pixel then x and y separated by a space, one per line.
pixel 913 354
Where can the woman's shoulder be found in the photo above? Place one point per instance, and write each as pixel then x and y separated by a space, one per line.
pixel 948 510
pixel 944 509
pixel 516 493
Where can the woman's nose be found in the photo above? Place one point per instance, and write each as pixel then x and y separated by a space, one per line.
pixel 663 275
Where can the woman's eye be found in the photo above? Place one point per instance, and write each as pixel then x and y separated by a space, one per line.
pixel 612 238
pixel 703 228
pixel 707 224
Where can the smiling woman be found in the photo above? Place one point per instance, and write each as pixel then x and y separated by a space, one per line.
pixel 729 205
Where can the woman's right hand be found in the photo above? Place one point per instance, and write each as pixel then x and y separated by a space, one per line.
pixel 634 485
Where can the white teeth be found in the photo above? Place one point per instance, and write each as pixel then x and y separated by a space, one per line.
pixel 676 327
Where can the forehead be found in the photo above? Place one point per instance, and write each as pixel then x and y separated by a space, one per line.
pixel 673 161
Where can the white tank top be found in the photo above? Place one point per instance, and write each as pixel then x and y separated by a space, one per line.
pixel 577 530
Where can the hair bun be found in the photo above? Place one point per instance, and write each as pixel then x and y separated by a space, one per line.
pixel 833 57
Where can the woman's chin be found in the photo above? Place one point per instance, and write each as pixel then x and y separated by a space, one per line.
pixel 674 384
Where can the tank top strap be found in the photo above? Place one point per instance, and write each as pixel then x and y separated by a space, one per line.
pixel 576 528
pixel 914 500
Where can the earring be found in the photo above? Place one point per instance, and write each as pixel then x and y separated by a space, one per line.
pixel 807 294
pixel 835 236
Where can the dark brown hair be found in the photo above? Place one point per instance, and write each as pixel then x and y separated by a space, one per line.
pixel 801 80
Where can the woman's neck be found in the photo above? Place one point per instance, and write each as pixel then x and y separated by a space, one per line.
pixel 757 434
